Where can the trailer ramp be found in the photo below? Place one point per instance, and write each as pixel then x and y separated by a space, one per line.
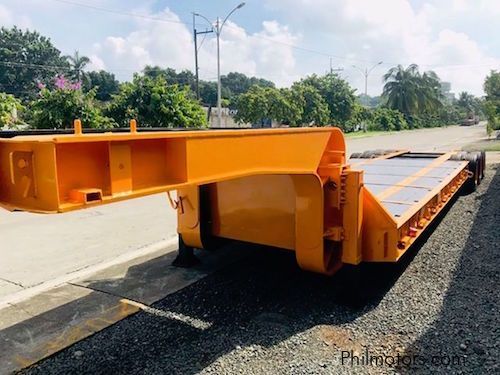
pixel 405 191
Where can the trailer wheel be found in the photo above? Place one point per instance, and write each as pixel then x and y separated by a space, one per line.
pixel 474 167
pixel 483 165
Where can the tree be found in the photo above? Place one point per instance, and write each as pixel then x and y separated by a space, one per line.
pixel 492 100
pixel 208 93
pixel 77 63
pixel 412 93
pixel 361 116
pixel 314 108
pixel 466 101
pixel 104 84
pixel 401 89
pixel 262 105
pixel 238 83
pixel 58 108
pixel 154 103
pixel 387 119
pixel 27 59
pixel 183 78
pixel 337 94
pixel 9 111
pixel 492 86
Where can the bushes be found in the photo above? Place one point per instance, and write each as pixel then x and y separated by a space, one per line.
pixel 155 104
pixel 58 108
pixel 151 101
pixel 9 109
pixel 386 119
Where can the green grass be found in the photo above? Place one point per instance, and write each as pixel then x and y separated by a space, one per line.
pixel 487 145
pixel 361 134
pixel 374 133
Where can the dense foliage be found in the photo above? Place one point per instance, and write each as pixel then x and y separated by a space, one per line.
pixel 260 105
pixel 412 93
pixel 154 103
pixel 58 108
pixel 492 100
pixel 9 111
pixel 337 94
pixel 387 119
pixel 104 84
pixel 27 58
pixel 233 84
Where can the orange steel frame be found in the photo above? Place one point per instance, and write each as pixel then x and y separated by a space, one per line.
pixel 289 188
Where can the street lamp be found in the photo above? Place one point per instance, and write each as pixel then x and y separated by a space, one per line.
pixel 366 73
pixel 218 29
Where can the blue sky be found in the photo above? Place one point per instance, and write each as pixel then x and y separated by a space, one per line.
pixel 282 40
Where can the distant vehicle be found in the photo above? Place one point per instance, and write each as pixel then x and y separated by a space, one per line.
pixel 470 120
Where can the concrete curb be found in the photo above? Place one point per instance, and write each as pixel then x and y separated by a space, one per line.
pixel 54 283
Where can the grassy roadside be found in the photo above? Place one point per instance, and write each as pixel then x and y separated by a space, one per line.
pixel 485 145
pixel 361 134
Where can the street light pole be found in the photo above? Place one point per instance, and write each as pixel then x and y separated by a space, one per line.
pixel 218 29
pixel 366 73
pixel 219 84
pixel 195 35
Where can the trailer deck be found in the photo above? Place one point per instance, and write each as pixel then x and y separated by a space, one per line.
pixel 404 182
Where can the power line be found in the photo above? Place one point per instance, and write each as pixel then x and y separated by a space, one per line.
pixel 158 19
pixel 291 45
pixel 123 13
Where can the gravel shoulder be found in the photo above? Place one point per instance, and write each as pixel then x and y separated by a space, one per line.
pixel 440 308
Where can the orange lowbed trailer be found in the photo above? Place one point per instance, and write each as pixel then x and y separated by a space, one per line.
pixel 289 188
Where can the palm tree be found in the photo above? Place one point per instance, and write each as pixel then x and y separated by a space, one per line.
pixel 431 98
pixel 411 92
pixel 401 89
pixel 466 101
pixel 77 63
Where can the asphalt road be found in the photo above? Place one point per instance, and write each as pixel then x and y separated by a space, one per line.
pixel 36 249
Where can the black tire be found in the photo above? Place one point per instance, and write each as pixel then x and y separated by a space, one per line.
pixel 483 159
pixel 474 167
pixel 356 155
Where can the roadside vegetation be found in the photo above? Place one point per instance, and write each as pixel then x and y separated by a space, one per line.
pixel 41 88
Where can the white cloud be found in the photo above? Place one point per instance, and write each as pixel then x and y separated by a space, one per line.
pixel 397 32
pixel 265 53
pixel 157 43
pixel 5 16
pixel 457 38
pixel 96 63
pixel 9 18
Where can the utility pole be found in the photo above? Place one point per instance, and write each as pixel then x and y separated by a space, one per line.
pixel 196 67
pixel 219 84
pixel 218 29
pixel 332 70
